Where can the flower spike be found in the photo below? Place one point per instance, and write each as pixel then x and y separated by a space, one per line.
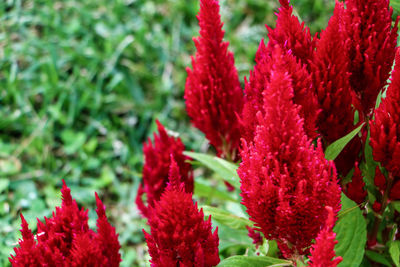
pixel 157 159
pixel 322 252
pixel 66 240
pixel 179 235
pixel 285 181
pixel 371 46
pixel 213 93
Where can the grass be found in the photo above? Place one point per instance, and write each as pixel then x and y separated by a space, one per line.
pixel 81 84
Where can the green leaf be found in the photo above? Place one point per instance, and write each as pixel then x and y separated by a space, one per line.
pixel 204 190
pixel 229 237
pixel 394 251
pixel 334 149
pixel 379 258
pixel 395 4
pixel 226 218
pixel 225 169
pixel 351 233
pixel 253 261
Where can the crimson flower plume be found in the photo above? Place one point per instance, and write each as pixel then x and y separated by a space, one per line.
pixel 66 240
pixel 289 34
pixel 303 95
pixel 213 93
pixel 286 182
pixel 385 135
pixel 156 166
pixel 322 252
pixel 179 235
pixel 289 46
pixel 336 98
pixel 371 46
pixel 355 189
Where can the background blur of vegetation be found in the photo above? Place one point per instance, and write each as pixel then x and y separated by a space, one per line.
pixel 81 84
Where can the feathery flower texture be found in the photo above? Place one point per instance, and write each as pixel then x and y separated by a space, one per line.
pixel 156 167
pixel 179 235
pixel 355 189
pixel 329 68
pixel 66 240
pixel 286 182
pixel 290 46
pixel 371 47
pixel 322 252
pixel 385 135
pixel 213 93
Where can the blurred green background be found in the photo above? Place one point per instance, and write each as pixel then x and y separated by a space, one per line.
pixel 81 85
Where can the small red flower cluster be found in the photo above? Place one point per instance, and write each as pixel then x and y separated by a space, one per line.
pixel 385 137
pixel 179 235
pixel 286 182
pixel 156 167
pixel 291 41
pixel 66 240
pixel 213 93
pixel 322 252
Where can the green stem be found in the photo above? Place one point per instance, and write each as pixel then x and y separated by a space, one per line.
pixel 378 219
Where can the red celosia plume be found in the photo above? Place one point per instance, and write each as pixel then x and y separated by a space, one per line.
pixel 266 59
pixel 290 47
pixel 156 166
pixel 66 240
pixel 371 45
pixel 329 68
pixel 213 93
pixel 322 252
pixel 355 189
pixel 179 235
pixel 289 34
pixel 286 182
pixel 385 135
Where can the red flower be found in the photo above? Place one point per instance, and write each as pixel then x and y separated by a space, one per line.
pixel 379 180
pixel 301 82
pixel 179 235
pixel 255 235
pixel 156 167
pixel 385 129
pixel 66 240
pixel 213 93
pixel 335 96
pixel 286 182
pixel 371 45
pixel 322 252
pixel 289 46
pixel 377 206
pixel 355 189
pixel 290 34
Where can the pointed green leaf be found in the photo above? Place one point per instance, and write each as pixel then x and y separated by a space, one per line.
pixel 376 257
pixel 253 261
pixel 202 189
pixel 225 169
pixel 226 218
pixel 394 251
pixel 229 237
pixel 334 149
pixel 351 234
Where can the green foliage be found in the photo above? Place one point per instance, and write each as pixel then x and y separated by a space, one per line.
pixel 226 170
pixel 394 251
pixel 334 149
pixel 253 261
pixel 227 218
pixel 351 233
